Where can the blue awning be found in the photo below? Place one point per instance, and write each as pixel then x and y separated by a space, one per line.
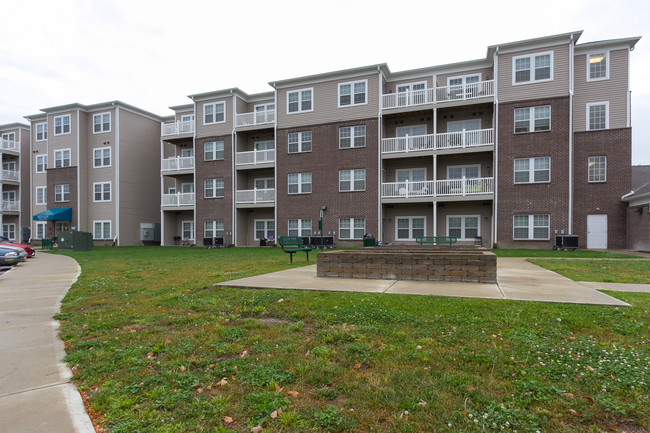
pixel 56 214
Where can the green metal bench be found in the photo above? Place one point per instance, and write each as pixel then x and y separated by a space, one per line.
pixel 436 240
pixel 293 244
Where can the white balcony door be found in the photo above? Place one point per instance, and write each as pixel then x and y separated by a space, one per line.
pixel 263 113
pixel 265 183
pixel 265 145
pixel 411 94
pixel 596 232
pixel 463 171
pixel 9 195
pixel 465 125
pixel 188 230
pixel 469 81
pixel 187 121
pixel 411 180
pixel 411 131
pixel 9 165
pixel 187 188
pixel 186 153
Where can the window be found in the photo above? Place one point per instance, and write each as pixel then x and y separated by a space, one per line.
pixel 213 150
pixel 214 113
pixel 463 171
pixel 411 94
pixel 188 230
pixel 9 166
pixel 531 170
pixel 352 228
pixel 41 131
pixel 464 227
pixel 597 116
pixel 264 229
pixel 9 196
pixel 531 227
pixel 300 101
pixel 597 168
pixel 464 86
pixel 41 230
pixel 41 195
pixel 408 228
pixel 102 157
pixel 533 119
pixel 352 180
pixel 299 183
pixel 532 68
pixel 9 136
pixel 62 192
pixel 62 125
pixel 213 188
pixel 213 229
pixel 300 227
pixel 299 142
pixel 62 158
pixel 598 66
pixel 102 191
pixel 352 136
pixel 353 93
pixel 9 231
pixel 265 183
pixel 102 230
pixel 101 123
pixel 264 113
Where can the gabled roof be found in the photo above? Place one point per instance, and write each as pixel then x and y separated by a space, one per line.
pixel 94 107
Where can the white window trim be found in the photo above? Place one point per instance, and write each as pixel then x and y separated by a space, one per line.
pixel 44 164
pixel 352 103
pixel 103 223
pixel 352 180
pixel 110 157
pixel 11 228
pixel 531 119
pixel 606 104
pixel 300 110
pixel 463 226
pixel 606 77
pixel 214 104
pixel 410 86
pixel 532 68
pixel 588 168
pixel 351 219
pixel 214 150
pixel 110 192
pixel 464 167
pixel 43 132
pixel 192 235
pixel 69 124
pixel 102 131
pixel 44 189
pixel 410 218
pixel 63 200
pixel 531 228
pixel 300 183
pixel 266 227
pixel 300 226
pixel 465 77
pixel 300 142
pixel 531 170
pixel 61 151
pixel 214 188
pixel 352 136
pixel 40 224
pixel 213 233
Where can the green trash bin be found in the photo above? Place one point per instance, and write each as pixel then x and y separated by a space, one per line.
pixel 369 241
pixel 46 244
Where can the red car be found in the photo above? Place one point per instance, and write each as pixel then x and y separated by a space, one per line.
pixel 28 249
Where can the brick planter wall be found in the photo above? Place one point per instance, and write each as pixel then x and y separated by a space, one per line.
pixel 420 263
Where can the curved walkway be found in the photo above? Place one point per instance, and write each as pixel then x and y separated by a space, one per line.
pixel 36 394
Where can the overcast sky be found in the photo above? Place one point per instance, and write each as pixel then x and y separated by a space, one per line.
pixel 152 54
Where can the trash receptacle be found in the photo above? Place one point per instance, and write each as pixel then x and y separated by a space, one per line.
pixel 369 240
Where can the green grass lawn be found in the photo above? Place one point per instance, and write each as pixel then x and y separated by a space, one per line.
pixel 156 347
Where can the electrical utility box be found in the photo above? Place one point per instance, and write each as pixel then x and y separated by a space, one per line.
pixel 150 233
pixel 75 241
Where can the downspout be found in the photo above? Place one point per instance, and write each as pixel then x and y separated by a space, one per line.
pixel 31 179
pixel 275 162
pixel 571 79
pixel 380 216
pixel 435 164
pixel 162 189
pixel 233 146
pixel 117 175
pixel 78 179
pixel 19 229
pixel 495 163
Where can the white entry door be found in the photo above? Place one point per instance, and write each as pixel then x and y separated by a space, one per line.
pixel 596 232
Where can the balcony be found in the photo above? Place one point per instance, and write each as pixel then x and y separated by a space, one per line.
pixel 177 128
pixel 178 164
pixel 462 92
pixel 9 176
pixel 254 158
pixel 257 118
pixel 429 189
pixel 10 206
pixel 436 142
pixel 9 145
pixel 255 197
pixel 179 200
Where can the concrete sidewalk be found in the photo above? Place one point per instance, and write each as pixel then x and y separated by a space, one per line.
pixel 516 280
pixel 36 394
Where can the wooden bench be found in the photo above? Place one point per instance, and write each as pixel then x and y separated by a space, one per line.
pixel 436 240
pixel 293 244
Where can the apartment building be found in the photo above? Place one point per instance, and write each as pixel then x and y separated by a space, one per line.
pixel 14 207
pixel 94 168
pixel 531 141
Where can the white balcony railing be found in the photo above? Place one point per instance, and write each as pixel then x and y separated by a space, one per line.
pixel 411 98
pixel 178 200
pixel 438 188
pixel 177 128
pixel 178 163
pixel 10 205
pixel 254 196
pixel 256 118
pixel 11 175
pixel 9 145
pixel 255 157
pixel 448 140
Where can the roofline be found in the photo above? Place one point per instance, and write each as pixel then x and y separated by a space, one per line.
pixel 13 125
pixel 326 76
pixel 180 108
pixel 631 42
pixel 97 107
pixel 534 41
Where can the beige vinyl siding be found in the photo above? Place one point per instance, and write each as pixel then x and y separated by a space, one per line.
pixel 391 87
pixel 85 128
pixel 216 128
pixel 66 141
pixel 559 86
pixel 242 106
pixel 486 74
pixel 326 105
pixel 614 90
pixel 98 210
pixel 139 167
